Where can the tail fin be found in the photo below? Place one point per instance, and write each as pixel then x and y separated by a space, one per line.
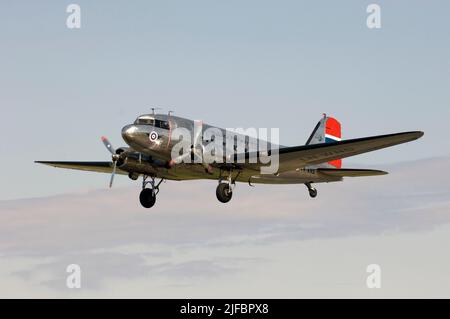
pixel 328 130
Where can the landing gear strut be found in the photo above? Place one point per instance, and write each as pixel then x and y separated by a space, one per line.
pixel 312 190
pixel 224 190
pixel 147 197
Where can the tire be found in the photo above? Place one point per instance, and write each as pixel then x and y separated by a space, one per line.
pixel 313 193
pixel 224 193
pixel 133 176
pixel 147 198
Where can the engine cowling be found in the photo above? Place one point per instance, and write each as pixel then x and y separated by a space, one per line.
pixel 132 165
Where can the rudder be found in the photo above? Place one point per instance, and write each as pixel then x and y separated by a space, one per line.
pixel 328 130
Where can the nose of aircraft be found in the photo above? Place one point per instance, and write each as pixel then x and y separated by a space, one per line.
pixel 128 132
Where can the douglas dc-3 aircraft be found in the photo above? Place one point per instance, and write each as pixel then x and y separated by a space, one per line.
pixel 151 141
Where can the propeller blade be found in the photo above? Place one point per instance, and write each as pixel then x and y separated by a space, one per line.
pixel 113 173
pixel 108 145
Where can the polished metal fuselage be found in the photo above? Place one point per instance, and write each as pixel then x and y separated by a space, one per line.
pixel 137 136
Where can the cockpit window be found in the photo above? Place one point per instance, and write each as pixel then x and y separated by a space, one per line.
pixel 145 121
pixel 162 124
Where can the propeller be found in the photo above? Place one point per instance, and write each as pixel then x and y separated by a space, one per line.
pixel 115 157
pixel 197 149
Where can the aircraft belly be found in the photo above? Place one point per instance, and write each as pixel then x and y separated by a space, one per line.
pixel 187 172
pixel 192 172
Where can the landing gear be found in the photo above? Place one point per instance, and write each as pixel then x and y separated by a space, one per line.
pixel 133 176
pixel 147 197
pixel 224 192
pixel 312 190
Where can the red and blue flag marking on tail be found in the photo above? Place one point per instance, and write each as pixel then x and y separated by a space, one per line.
pixel 333 134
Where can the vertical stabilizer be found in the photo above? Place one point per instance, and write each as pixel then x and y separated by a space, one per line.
pixel 328 130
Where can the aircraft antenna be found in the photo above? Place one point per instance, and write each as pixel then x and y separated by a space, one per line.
pixel 154 109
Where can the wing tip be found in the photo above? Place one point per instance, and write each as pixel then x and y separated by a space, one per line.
pixel 45 163
pixel 406 136
pixel 412 134
pixel 376 172
pixel 418 134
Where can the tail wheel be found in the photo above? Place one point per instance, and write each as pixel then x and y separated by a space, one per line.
pixel 312 191
pixel 224 192
pixel 147 198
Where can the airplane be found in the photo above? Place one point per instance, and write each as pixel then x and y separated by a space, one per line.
pixel 151 141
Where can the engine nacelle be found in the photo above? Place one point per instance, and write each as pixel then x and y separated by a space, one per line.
pixel 133 165
pixel 123 150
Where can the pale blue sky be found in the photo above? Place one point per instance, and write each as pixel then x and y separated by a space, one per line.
pixel 231 63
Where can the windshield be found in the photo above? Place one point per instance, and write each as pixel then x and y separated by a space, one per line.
pixel 145 120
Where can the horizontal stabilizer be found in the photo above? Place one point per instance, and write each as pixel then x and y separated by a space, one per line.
pixel 350 172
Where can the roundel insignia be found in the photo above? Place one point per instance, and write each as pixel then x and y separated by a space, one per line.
pixel 153 136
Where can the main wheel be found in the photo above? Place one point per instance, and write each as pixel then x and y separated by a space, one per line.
pixel 147 198
pixel 313 193
pixel 224 192
pixel 133 176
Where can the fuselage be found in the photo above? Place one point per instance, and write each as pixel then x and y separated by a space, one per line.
pixel 138 135
pixel 175 148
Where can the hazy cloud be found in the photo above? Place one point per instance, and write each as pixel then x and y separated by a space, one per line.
pixel 188 240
